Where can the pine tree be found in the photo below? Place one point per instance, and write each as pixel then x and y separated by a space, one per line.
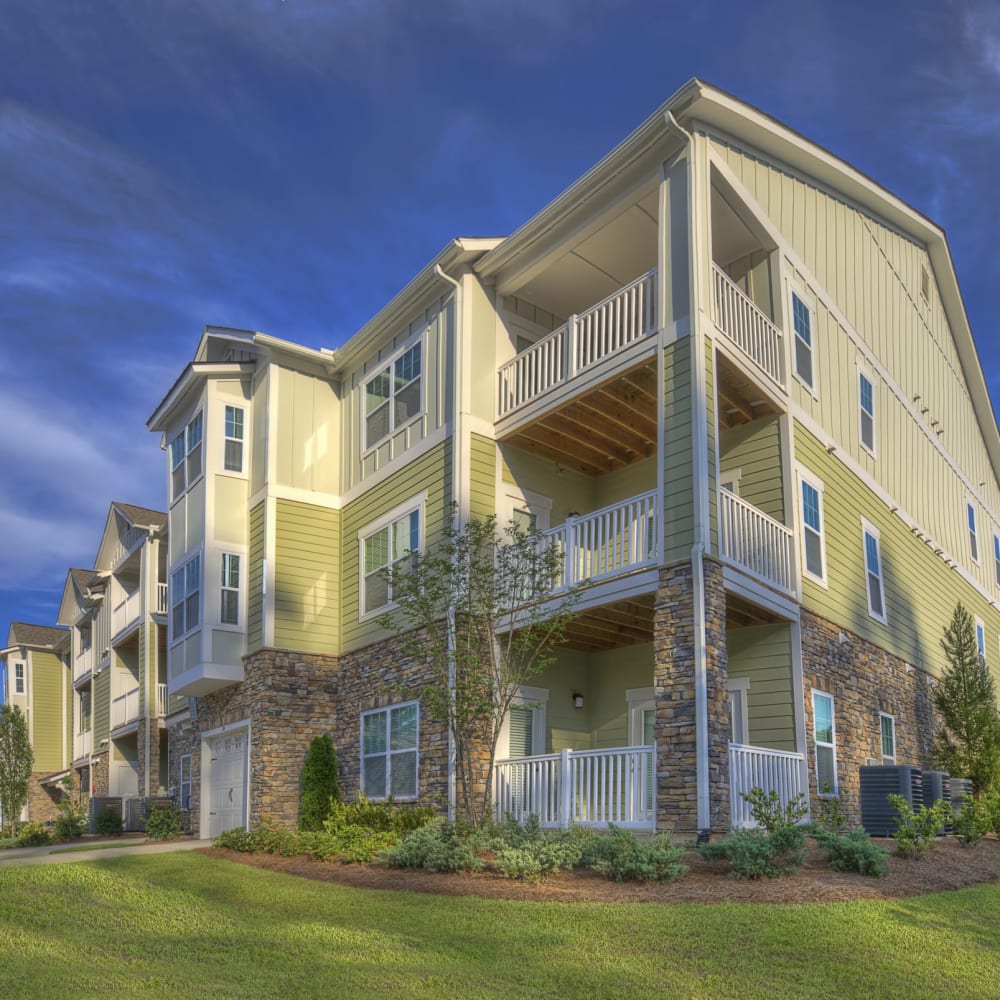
pixel 319 783
pixel 16 762
pixel 967 745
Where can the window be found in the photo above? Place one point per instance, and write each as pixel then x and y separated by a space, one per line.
pixel 185 593
pixel 383 551
pixel 84 711
pixel 185 457
pixel 981 637
pixel 229 603
pixel 233 458
pixel 184 789
pixel 736 704
pixel 389 752
pixel 970 512
pixel 812 529
pixel 873 571
pixel 887 726
pixel 826 753
pixel 866 402
pixel 392 396
pixel 522 733
pixel 802 325
pixel 18 678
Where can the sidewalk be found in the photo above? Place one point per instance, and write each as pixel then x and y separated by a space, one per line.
pixel 57 854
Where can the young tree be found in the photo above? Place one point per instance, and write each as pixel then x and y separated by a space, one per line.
pixel 319 783
pixel 968 743
pixel 16 761
pixel 485 609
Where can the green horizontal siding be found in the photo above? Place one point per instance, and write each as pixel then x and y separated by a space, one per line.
pixel 678 523
pixel 102 706
pixel 48 724
pixel 255 578
pixel 755 449
pixel 764 655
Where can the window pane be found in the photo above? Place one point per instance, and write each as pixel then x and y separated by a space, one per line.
pixel 810 506
pixel 191 610
pixel 373 733
pixel 403 727
pixel 407 367
pixel 803 362
pixel 871 554
pixel 230 570
pixel 191 575
pixel 521 731
pixel 823 713
pixel 866 395
pixel 177 481
pixel 230 614
pixel 194 433
pixel 814 553
pixel 377 392
pixel 407 403
pixel 374 777
pixel 377 550
pixel 377 424
pixel 800 320
pixel 376 591
pixel 403 774
pixel 194 464
pixel 825 775
pixel 875 595
pixel 177 619
pixel 405 536
pixel 524 520
pixel 234 456
pixel 888 737
pixel 234 422
pixel 177 451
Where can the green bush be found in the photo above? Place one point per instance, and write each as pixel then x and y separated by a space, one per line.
pixel 437 847
pixel 916 831
pixel 972 821
pixel 627 859
pixel 853 852
pixel 71 823
pixel 237 840
pixel 320 786
pixel 992 804
pixel 108 822
pixel 33 835
pixel 754 854
pixel 164 822
pixel 768 811
pixel 832 813
pixel 383 816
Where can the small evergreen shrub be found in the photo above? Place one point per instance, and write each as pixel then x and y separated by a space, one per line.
pixel 755 854
pixel 627 859
pixel 437 847
pixel 108 822
pixel 853 852
pixel 320 786
pixel 992 804
pixel 972 821
pixel 164 822
pixel 832 813
pixel 916 831
pixel 71 823
pixel 33 835
pixel 382 816
pixel 768 811
pixel 237 840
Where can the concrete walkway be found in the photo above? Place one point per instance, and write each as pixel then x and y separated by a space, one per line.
pixel 56 854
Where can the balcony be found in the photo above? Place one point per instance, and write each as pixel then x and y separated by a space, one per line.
pixel 585 787
pixel 125 708
pixel 755 542
pixel 126 613
pixel 83 664
pixel 161 699
pixel 161 599
pixel 581 344
pixel 746 327
pixel 758 767
pixel 83 744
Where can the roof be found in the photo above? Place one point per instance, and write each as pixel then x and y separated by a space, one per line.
pixel 25 634
pixel 83 578
pixel 141 516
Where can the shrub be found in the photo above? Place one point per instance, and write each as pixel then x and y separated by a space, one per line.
pixel 853 852
pixel 164 822
pixel 237 840
pixel 832 813
pixel 992 803
pixel 916 831
pixel 33 835
pixel 755 854
pixel 383 816
pixel 320 788
pixel 769 812
pixel 625 858
pixel 71 823
pixel 437 847
pixel 108 822
pixel 972 821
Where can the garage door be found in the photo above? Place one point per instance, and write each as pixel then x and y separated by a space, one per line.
pixel 227 782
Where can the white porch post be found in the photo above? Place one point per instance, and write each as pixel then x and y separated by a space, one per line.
pixel 565 788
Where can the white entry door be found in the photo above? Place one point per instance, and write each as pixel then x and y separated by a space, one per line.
pixel 227 782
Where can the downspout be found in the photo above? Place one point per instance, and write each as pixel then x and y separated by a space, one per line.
pixel 699 445
pixel 456 467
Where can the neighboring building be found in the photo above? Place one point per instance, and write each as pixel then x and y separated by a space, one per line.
pixel 728 374
pixel 36 672
pixel 116 615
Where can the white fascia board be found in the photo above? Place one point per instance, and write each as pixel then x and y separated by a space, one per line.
pixel 190 381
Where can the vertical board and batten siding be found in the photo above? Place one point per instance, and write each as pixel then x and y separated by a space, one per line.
pixel 47 684
pixel 101 707
pixel 920 590
pixel 873 274
pixel 755 450
pixel 255 578
pixel 306 451
pixel 430 471
pixel 678 510
pixel 482 477
pixel 481 341
pixel 306 577
pixel 764 655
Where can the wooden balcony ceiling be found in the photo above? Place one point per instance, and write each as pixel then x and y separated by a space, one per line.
pixel 612 626
pixel 740 398
pixel 741 613
pixel 599 431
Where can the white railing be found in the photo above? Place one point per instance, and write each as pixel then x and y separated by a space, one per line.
pixel 161 699
pixel 82 744
pixel 83 663
pixel 126 612
pixel 125 708
pixel 758 767
pixel 161 598
pixel 580 343
pixel 587 787
pixel 743 322
pixel 607 542
pixel 755 541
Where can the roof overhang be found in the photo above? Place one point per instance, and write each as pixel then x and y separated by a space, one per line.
pixel 188 384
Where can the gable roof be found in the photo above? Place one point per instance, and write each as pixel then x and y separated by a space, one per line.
pixel 141 517
pixel 26 634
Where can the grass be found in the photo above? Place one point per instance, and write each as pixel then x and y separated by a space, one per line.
pixel 184 925
pixel 95 847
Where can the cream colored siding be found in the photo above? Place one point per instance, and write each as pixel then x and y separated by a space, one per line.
pixel 306 577
pixel 482 476
pixel 754 450
pixel 47 682
pixel 764 655
pixel 677 455
pixel 639 477
pixel 483 391
pixel 258 432
pixel 255 579
pixel 431 471
pixel 568 490
pixel 306 452
pixel 230 505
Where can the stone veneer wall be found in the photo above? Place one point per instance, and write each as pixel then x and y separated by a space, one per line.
pixel 153 764
pixel 99 774
pixel 675 728
pixel 42 800
pixel 864 680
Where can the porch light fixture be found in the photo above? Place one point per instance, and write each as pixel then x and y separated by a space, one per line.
pixel 577 699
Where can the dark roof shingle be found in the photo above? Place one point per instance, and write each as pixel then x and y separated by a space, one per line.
pixel 25 634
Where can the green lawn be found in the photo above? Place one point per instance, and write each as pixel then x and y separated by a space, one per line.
pixel 184 925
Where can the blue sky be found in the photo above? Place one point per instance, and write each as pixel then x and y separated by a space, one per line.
pixel 288 166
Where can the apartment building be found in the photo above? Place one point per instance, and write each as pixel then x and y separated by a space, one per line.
pixel 36 680
pixel 726 374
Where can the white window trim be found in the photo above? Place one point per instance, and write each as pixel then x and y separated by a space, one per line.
pixel 377 368
pixel 20 683
pixel 972 530
pixel 240 573
pixel 418 503
pixel 183 433
pixel 182 568
pixel 739 686
pixel 832 794
pixel 863 373
pixel 867 528
pixel 809 302
pixel 730 480
pixel 540 506
pixel 996 558
pixel 881 750
pixel 535 698
pixel 804 476
pixel 386 711
pixel 981 633
pixel 184 804
pixel 241 440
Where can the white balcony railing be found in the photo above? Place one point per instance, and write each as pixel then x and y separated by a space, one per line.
pixel 755 541
pixel 125 708
pixel 82 744
pixel 126 612
pixel 758 767
pixel 580 343
pixel 161 699
pixel 607 542
pixel 587 787
pixel 83 663
pixel 161 598
pixel 743 322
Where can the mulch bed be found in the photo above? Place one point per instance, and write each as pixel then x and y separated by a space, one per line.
pixel 948 866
